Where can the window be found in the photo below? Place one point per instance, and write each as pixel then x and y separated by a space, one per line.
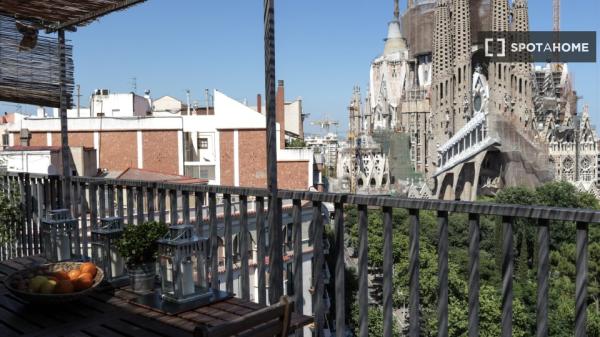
pixel 203 172
pixel 207 172
pixel 202 143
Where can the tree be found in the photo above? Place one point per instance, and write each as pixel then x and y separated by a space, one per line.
pixel 562 288
pixel 11 214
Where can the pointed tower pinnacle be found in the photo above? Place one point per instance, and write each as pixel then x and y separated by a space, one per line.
pixel 394 41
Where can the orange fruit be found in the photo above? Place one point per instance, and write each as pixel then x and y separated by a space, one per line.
pixel 74 274
pixel 88 267
pixel 61 275
pixel 64 287
pixel 84 281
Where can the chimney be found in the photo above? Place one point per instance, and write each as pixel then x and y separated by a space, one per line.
pixel 280 112
pixel 24 137
pixel 259 103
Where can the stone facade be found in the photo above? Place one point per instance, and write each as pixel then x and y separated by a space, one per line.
pixel 475 125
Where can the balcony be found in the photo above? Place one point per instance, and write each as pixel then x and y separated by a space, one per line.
pixel 90 200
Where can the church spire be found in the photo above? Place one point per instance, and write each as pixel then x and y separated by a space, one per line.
pixel 396 10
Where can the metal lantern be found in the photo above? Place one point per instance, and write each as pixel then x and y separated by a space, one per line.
pixel 57 232
pixel 104 248
pixel 179 251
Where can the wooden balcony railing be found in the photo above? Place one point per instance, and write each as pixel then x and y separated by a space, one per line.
pixel 89 195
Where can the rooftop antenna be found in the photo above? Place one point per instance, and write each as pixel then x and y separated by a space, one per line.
pixel 78 100
pixel 134 84
pixel 556 15
pixel 187 94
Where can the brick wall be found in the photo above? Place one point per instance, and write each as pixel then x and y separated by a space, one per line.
pixel 37 139
pixel 160 151
pixel 56 139
pixel 118 150
pixel 293 175
pixel 252 158
pixel 85 139
pixel 226 157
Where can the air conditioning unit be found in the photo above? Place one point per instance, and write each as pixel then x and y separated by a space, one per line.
pixel 105 92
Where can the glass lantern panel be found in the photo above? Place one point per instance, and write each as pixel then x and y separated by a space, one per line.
pixel 166 275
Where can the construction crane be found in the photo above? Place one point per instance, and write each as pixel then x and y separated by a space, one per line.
pixel 556 15
pixel 325 124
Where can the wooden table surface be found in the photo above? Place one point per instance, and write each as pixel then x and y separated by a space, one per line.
pixel 107 313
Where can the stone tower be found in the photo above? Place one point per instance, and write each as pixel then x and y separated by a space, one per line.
pixel 462 62
pixel 442 110
pixel 522 87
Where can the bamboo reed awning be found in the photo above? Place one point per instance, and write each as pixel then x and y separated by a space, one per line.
pixel 30 70
pixel 62 14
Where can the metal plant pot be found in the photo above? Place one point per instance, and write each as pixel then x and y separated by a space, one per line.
pixel 142 277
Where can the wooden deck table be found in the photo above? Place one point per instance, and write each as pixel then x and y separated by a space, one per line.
pixel 107 312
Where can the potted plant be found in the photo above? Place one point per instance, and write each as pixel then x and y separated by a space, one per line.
pixel 139 248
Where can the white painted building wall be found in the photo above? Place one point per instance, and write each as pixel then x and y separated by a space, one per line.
pixel 293 117
pixel 119 105
pixel 37 162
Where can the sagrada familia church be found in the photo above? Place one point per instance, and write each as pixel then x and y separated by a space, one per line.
pixel 442 120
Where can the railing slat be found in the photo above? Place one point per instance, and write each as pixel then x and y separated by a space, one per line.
pixel 39 193
pixel 111 200
pixel 150 202
pixel 214 245
pixel 275 250
pixel 139 203
pixel 388 266
pixel 28 215
pixel 22 226
pixel 581 292
pixel 413 271
pixel 74 186
pixel 340 272
pixel 162 205
pixel 543 277
pixel 47 197
pixel 173 209
pixel 363 272
pixel 243 243
pixel 474 238
pixel 54 188
pixel 129 192
pixel 507 276
pixel 185 200
pixel 102 200
pixel 93 206
pixel 442 220
pixel 261 250
pixel 93 214
pixel 319 263
pixel 201 268
pixel 120 206
pixel 228 243
pixel 297 238
pixel 84 228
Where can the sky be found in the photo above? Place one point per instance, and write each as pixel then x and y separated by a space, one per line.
pixel 323 49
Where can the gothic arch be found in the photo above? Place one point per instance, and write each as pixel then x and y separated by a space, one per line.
pixel 466 180
pixel 447 188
